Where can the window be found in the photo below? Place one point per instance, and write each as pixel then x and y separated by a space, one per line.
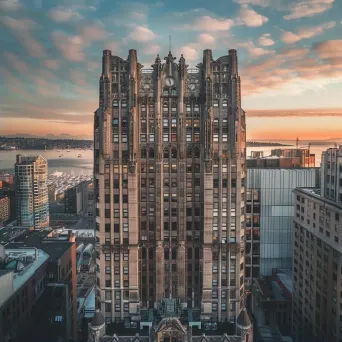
pixel 224 103
pixel 216 103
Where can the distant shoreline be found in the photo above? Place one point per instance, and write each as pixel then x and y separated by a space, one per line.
pixel 262 144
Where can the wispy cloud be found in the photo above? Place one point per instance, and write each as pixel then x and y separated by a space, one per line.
pixel 249 17
pixel 10 5
pixel 266 40
pixel 22 29
pixel 209 24
pixel 142 34
pixel 71 47
pixel 300 112
pixel 308 8
pixel 64 14
pixel 306 32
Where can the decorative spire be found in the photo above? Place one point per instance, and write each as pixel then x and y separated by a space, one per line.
pixel 157 61
pixel 182 59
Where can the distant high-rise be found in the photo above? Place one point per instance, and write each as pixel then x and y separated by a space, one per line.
pixel 269 212
pixel 170 172
pixel 32 192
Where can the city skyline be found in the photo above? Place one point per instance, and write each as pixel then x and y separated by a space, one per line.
pixel 288 52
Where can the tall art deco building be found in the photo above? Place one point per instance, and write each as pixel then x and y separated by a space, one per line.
pixel 170 169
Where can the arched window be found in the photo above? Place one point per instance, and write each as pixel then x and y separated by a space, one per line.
pixel 166 92
pixel 151 153
pixel 216 89
pixel 225 89
pixel 189 152
pixel 115 88
pixel 189 253
pixel 173 153
pixel 166 153
pixel 224 103
pixel 123 103
pixel 115 103
pixel 174 92
pixel 197 152
pixel 143 152
pixel 143 253
pixel 216 103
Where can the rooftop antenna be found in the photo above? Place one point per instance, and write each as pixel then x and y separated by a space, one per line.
pixel 170 43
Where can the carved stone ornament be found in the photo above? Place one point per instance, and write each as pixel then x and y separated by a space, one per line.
pixel 208 166
pixel 132 166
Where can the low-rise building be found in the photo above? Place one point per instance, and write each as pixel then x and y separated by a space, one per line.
pixel 23 278
pixel 55 314
pixel 272 300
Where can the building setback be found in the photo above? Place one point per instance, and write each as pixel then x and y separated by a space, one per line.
pixel 32 192
pixel 317 256
pixel 170 171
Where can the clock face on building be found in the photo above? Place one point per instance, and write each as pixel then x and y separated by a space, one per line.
pixel 169 81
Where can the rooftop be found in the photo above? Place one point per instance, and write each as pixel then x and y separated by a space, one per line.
pixel 53 245
pixel 27 261
pixel 8 234
pixel 269 334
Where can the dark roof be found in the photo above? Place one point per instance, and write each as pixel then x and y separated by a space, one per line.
pixel 243 320
pixel 55 248
pixel 97 320
pixel 8 234
pixel 3 272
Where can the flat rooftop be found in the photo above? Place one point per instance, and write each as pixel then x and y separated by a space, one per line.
pixel 55 247
pixel 34 259
pixel 8 234
pixel 269 334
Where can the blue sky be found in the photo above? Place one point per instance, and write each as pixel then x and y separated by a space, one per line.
pixel 290 54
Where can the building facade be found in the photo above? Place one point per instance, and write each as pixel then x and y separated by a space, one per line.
pixel 170 172
pixel 32 192
pixel 76 198
pixel 300 156
pixel 5 208
pixel 331 175
pixel 269 215
pixel 317 258
pixel 44 309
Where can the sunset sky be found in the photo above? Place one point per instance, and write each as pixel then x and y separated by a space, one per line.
pixel 290 55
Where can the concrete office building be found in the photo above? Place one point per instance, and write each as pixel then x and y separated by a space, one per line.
pixel 299 156
pixel 170 171
pixel 317 256
pixel 269 213
pixel 32 192
pixel 331 176
pixel 76 198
